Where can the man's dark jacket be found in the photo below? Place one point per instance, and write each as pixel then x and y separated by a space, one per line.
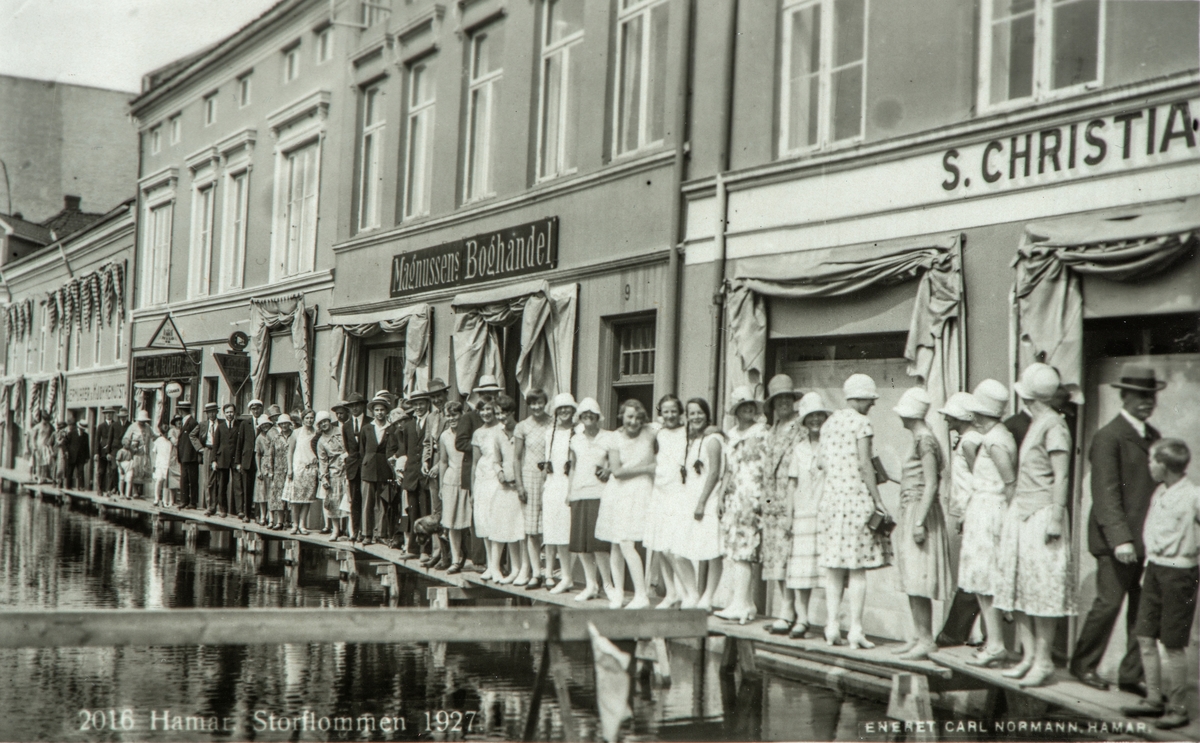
pixel 375 453
pixel 1121 486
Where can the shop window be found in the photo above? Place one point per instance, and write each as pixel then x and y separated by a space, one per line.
pixel 1031 50
pixel 634 341
pixel 418 148
pixel 384 369
pixel 370 144
pixel 283 390
pixel 1142 336
pixel 822 74
pixel 841 348
pixel 641 74
pixel 562 40
pixel 486 71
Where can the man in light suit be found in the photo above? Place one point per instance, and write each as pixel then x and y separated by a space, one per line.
pixel 1121 490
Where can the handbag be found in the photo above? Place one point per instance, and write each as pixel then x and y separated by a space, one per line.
pixel 881 524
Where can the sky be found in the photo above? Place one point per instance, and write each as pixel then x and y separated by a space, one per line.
pixel 111 43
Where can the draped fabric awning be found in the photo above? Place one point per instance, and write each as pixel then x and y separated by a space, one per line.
pixel 932 349
pixel 267 315
pixel 1053 257
pixel 547 318
pixel 414 323
pixel 141 394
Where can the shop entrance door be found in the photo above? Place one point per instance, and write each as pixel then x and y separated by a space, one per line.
pixel 886 613
pixel 385 369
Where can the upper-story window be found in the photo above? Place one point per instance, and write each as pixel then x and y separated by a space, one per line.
pixel 562 36
pixel 418 146
pixel 1031 50
pixel 291 62
pixel 371 12
pixel 210 109
pixel 233 244
pixel 822 73
pixel 298 216
pixel 324 44
pixel 156 140
pixel 203 212
pixel 486 70
pixel 157 272
pixel 370 146
pixel 244 90
pixel 175 123
pixel 641 74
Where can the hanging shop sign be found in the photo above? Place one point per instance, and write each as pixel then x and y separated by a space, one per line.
pixel 96 390
pixel 515 251
pixel 1127 140
pixel 166 366
pixel 235 367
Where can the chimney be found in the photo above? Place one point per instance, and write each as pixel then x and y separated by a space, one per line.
pixel 71 203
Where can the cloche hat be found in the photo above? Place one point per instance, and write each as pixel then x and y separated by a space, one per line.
pixel 914 403
pixel 563 400
pixel 741 395
pixel 781 384
pixel 1038 382
pixel 859 387
pixel 957 406
pixel 811 403
pixel 990 398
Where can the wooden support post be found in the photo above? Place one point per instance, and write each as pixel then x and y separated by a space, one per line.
pixel 291 551
pixel 191 533
pixel 249 541
pixel 910 703
pixel 561 674
pixel 346 564
pixel 745 657
pixel 439 598
pixel 159 527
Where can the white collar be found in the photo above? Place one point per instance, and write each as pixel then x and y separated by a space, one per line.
pixel 1139 426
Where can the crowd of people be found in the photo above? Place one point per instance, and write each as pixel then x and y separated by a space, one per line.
pixel 791 486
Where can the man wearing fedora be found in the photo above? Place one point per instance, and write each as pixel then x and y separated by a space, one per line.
pixel 377 446
pixel 102 452
pixel 245 469
pixel 349 413
pixel 188 455
pixel 1121 490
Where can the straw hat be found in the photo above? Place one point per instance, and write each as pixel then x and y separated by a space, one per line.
pixel 563 400
pixel 741 395
pixel 588 405
pixel 809 404
pixel 437 384
pixel 143 416
pixel 780 384
pixel 211 406
pixel 378 400
pixel 990 398
pixel 958 406
pixel 487 383
pixel 1139 379
pixel 914 403
pixel 1038 382
pixel 274 411
pixel 859 387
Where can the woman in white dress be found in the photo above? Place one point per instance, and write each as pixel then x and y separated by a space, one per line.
pixel 456 500
pixel 622 516
pixel 805 481
pixel 700 533
pixel 164 453
pixel 556 507
pixel 303 470
pixel 668 507
pixel 498 514
pixel 589 473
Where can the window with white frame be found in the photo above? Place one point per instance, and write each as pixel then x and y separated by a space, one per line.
pixel 370 146
pixel 244 90
pixel 486 70
pixel 418 145
pixel 291 62
pixel 155 140
pixel 562 37
pixel 822 74
pixel 233 242
pixel 210 109
pixel 298 213
pixel 176 125
pixel 158 259
pixel 1031 50
pixel 203 209
pixel 371 12
pixel 641 74
pixel 324 44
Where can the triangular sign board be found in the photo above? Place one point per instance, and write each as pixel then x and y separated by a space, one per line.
pixel 167 336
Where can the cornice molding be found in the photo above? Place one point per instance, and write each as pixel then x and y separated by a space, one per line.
pixel 309 282
pixel 167 177
pixel 203 158
pixel 316 103
pixel 243 140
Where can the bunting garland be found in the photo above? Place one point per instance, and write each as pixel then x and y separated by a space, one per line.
pixel 52 311
pixel 85 297
pixel 93 284
pixel 8 321
pixel 77 304
pixel 118 273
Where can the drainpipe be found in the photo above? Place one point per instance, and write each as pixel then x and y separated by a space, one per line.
pixel 720 210
pixel 669 361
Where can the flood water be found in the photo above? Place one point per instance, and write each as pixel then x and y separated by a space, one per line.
pixel 56 557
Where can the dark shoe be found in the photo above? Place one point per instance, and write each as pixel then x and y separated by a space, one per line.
pixel 1090 678
pixel 1144 709
pixel 327 530
pixel 444 563
pixel 1138 688
pixel 455 568
pixel 1176 717
pixel 534 584
pixel 222 514
pixel 780 627
pixel 368 542
pixel 424 561
pixel 209 512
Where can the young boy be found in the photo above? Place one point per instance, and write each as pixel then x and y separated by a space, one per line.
pixel 1168 604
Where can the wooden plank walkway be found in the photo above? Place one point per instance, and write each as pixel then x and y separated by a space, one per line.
pixel 1074 697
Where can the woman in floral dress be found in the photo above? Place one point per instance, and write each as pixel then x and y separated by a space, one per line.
pixel 784 434
pixel 331 467
pixel 741 519
pixel 529 445
pixel 847 546
pixel 269 452
pixel 139 440
pixel 302 471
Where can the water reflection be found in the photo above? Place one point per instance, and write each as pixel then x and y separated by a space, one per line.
pixel 56 557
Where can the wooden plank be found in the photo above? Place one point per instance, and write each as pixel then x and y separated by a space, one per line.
pixel 820 674
pixel 140 627
pixel 634 624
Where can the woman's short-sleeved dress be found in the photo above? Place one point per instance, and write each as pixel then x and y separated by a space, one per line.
pixel 587 490
pixel 983 519
pixel 139 440
pixel 456 502
pixel 304 468
pixel 533 433
pixel 556 514
pixel 498 515
pixel 1032 575
pixel 272 469
pixel 776 510
pixel 802 568
pixel 741 517
pixel 622 516
pixel 961 480
pixel 667 508
pixel 701 539
pixel 331 461
pixel 843 538
pixel 924 569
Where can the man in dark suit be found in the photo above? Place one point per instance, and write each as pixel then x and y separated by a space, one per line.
pixel 78 449
pixel 187 452
pixel 218 445
pixel 410 436
pixel 102 451
pixel 244 471
pixel 349 414
pixel 1121 490
pixel 375 442
pixel 117 436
